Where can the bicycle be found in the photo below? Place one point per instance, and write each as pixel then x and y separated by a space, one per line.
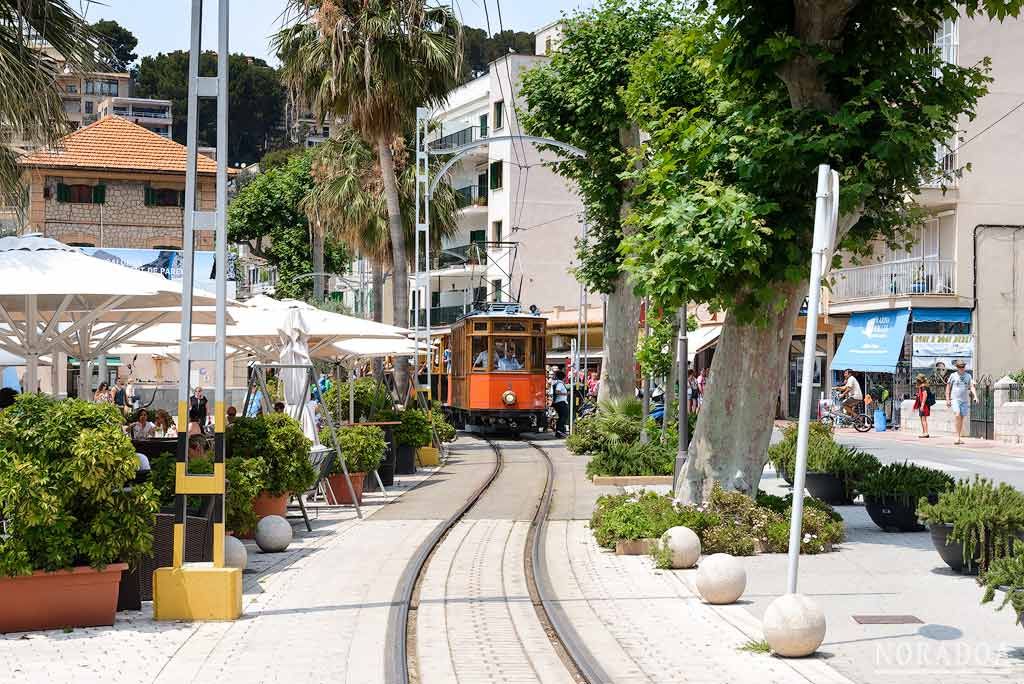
pixel 835 416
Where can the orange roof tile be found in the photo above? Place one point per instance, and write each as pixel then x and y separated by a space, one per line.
pixel 113 143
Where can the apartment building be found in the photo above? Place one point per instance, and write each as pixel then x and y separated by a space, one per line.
pixel 956 293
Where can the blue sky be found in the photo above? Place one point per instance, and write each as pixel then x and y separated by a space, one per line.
pixel 163 26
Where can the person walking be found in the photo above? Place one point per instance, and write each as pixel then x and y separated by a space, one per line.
pixel 560 402
pixel 692 391
pixel 121 397
pixel 197 407
pixel 103 394
pixel 923 402
pixel 960 392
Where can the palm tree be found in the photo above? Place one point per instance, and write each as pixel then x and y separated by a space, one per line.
pixel 347 200
pixel 372 62
pixel 31 105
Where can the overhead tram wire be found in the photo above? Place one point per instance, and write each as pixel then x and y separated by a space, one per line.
pixel 989 127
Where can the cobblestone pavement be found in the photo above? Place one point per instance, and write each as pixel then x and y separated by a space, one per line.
pixel 475 620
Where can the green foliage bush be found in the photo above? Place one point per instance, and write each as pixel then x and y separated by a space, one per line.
pixel 444 430
pixel 414 430
pixel 1006 574
pixel 64 466
pixel 370 399
pixel 362 446
pixel 277 439
pixel 985 517
pixel 619 458
pixel 824 455
pixel 904 483
pixel 729 522
pixel 245 480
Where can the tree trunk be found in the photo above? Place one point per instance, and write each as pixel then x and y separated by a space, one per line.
pixel 316 234
pixel 400 266
pixel 377 291
pixel 730 442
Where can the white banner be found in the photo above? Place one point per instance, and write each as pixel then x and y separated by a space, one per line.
pixel 942 351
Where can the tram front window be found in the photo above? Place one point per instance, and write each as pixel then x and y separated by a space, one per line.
pixel 509 353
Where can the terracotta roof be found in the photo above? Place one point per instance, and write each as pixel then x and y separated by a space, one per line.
pixel 113 143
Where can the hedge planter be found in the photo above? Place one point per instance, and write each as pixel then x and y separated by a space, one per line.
pixel 267 504
pixel 952 552
pixel 386 470
pixel 79 597
pixel 338 493
pixel 828 487
pixel 892 515
pixel 405 463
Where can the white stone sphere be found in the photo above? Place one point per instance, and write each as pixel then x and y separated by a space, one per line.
pixel 273 534
pixel 235 553
pixel 683 546
pixel 794 626
pixel 721 578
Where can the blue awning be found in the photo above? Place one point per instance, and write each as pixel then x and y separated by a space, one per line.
pixel 942 315
pixel 872 341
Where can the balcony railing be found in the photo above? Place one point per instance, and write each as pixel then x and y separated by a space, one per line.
pixel 151 113
pixel 945 167
pixel 471 196
pixel 895 279
pixel 443 315
pixel 473 254
pixel 450 141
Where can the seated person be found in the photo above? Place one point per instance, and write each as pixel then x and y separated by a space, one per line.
pixel 232 414
pixel 278 407
pixel 163 425
pixel 197 446
pixel 142 428
pixel 508 361
pixel 143 471
pixel 481 360
pixel 195 416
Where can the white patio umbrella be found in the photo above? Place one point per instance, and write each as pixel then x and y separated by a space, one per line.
pixel 295 352
pixel 54 298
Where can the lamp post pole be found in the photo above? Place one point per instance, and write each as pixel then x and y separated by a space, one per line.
pixel 684 404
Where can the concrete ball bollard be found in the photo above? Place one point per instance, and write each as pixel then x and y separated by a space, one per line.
pixel 683 546
pixel 794 626
pixel 273 534
pixel 721 578
pixel 235 553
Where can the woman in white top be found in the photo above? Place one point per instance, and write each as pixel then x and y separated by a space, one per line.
pixel 163 425
pixel 142 428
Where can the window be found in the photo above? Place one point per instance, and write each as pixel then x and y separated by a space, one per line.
pixel 496 289
pixel 509 326
pixel 81 194
pixel 81 244
pixel 89 106
pixel 509 353
pixel 477 236
pixel 547 45
pixel 160 197
pixel 499 115
pixel 101 87
pixel 166 247
pixel 480 294
pixel 71 89
pixel 496 231
pixel 497 167
pixel 435 299
pixel 537 354
pixel 479 353
pixel 326 131
pixel 483 125
pixel 947 40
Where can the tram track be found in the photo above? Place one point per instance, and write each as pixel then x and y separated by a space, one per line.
pixel 401 663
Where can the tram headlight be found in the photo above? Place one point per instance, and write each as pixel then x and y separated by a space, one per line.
pixel 508 397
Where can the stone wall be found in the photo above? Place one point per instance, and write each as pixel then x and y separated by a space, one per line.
pixel 123 220
pixel 940 422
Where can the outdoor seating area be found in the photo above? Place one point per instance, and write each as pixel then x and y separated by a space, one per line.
pixel 94 485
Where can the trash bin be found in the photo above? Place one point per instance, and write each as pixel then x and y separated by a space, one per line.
pixel 879 420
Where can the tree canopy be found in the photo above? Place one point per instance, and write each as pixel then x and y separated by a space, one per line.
pixel 479 49
pixel 266 215
pixel 121 44
pixel 255 89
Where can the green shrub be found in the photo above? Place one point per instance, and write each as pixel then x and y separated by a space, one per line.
pixel 63 470
pixel 245 480
pixel 362 446
pixel 414 430
pixel 587 437
pixel 824 455
pixel 904 483
pixel 444 430
pixel 985 517
pixel 641 516
pixel 782 504
pixel 620 459
pixel 277 439
pixel 1006 574
pixel 370 399
pixel 728 538
pixel 162 475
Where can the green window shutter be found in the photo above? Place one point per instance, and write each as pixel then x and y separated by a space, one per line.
pixel 181 199
pixel 62 192
pixel 496 179
pixel 148 192
pixel 99 194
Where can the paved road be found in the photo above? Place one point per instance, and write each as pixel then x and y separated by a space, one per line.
pixel 989 460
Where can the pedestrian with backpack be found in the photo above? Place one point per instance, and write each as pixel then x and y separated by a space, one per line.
pixel 923 402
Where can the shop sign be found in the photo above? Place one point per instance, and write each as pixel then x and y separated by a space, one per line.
pixel 940 351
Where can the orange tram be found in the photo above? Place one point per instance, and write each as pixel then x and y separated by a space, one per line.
pixel 491 371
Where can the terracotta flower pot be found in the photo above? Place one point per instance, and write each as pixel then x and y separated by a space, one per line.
pixel 79 597
pixel 267 504
pixel 339 488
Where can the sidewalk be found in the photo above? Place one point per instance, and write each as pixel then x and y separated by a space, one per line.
pixel 315 613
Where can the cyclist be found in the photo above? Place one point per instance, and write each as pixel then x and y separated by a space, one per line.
pixel 851 393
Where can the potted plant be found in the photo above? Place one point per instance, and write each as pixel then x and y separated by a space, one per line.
pixel 891 494
pixel 362 447
pixel 413 433
pixel 833 470
pixel 73 520
pixel 278 441
pixel 974 523
pixel 782 455
pixel 1006 575
pixel 245 480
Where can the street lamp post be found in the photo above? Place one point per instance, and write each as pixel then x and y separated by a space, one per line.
pixel 684 403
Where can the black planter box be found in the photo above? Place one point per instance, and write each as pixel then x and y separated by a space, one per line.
pixel 952 552
pixel 405 463
pixel 386 469
pixel 892 515
pixel 828 487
